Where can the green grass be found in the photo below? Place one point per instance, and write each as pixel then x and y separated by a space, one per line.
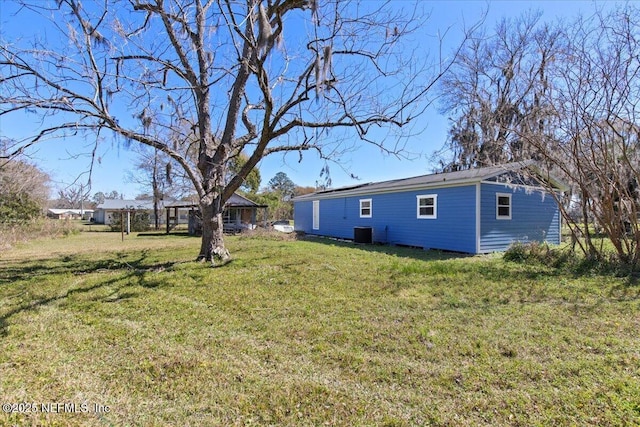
pixel 311 332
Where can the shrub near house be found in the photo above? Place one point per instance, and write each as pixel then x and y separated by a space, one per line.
pixel 139 221
pixel 19 208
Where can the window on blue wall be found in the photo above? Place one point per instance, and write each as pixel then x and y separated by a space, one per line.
pixel 427 206
pixel 503 206
pixel 365 208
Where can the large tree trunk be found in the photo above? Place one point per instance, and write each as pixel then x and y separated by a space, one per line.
pixel 212 247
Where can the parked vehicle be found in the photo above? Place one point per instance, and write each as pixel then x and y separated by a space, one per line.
pixel 282 226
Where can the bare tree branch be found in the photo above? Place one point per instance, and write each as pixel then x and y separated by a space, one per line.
pixel 208 82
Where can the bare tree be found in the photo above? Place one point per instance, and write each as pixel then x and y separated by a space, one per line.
pixel 495 92
pixel 154 170
pixel 74 197
pixel 594 139
pixel 100 197
pixel 566 94
pixel 210 79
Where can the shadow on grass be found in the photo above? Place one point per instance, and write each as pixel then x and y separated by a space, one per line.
pixel 399 251
pixel 627 291
pixel 494 271
pixel 164 234
pixel 634 280
pixel 77 265
pixel 134 272
pixel 530 270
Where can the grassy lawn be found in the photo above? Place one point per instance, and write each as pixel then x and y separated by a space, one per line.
pixel 311 332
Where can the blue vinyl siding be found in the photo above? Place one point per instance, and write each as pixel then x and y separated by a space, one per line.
pixel 394 218
pixel 534 217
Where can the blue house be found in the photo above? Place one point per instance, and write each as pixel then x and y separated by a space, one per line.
pixel 473 211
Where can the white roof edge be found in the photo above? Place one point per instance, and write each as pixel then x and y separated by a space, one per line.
pixel 71 210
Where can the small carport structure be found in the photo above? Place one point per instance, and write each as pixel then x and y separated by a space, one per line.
pixel 240 213
pixel 175 214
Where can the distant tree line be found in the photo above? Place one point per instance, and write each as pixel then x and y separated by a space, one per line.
pixel 24 194
pixel 163 182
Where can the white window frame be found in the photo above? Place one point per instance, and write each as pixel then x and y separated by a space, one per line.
pixel 498 206
pixel 435 206
pixel 316 215
pixel 370 214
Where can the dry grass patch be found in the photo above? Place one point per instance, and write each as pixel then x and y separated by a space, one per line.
pixel 12 234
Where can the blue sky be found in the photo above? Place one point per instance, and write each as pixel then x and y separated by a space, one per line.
pixel 60 158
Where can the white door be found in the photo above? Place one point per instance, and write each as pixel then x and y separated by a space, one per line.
pixel 316 214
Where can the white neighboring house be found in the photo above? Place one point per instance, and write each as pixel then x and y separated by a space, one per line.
pixel 111 209
pixel 70 213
